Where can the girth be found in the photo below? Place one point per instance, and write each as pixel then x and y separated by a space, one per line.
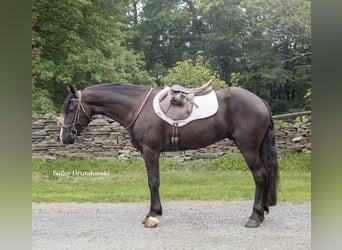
pixel 174 139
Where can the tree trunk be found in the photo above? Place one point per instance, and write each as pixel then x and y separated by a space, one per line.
pixel 225 73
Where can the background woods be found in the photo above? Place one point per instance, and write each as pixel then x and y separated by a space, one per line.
pixel 261 45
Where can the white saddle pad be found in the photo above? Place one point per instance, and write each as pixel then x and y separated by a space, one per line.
pixel 207 106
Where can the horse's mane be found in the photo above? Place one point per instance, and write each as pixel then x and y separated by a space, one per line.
pixel 104 85
pixel 117 87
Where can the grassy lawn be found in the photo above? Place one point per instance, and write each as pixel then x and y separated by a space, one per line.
pixel 225 179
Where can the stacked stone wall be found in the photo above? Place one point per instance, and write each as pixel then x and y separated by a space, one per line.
pixel 104 138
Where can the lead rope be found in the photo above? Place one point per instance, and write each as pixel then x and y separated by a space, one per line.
pixel 141 107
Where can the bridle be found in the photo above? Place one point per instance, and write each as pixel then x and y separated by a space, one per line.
pixel 76 120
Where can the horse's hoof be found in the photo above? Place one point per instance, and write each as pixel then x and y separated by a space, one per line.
pixel 145 220
pixel 251 223
pixel 152 222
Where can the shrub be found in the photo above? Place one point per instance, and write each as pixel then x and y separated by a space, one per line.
pixel 41 102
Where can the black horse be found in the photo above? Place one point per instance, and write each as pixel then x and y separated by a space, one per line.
pixel 242 117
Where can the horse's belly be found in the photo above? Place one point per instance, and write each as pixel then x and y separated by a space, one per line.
pixel 200 134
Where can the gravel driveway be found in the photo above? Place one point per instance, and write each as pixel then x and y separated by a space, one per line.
pixel 184 225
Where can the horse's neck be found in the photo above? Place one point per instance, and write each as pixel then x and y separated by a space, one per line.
pixel 115 105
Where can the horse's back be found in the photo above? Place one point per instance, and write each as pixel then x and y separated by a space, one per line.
pixel 241 102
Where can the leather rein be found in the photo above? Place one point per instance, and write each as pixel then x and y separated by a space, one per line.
pixel 76 119
pixel 139 110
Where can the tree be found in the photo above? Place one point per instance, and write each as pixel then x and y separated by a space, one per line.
pixel 222 39
pixel 161 32
pixel 261 45
pixel 276 60
pixel 36 50
pixel 83 44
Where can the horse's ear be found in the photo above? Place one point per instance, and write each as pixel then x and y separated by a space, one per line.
pixel 71 89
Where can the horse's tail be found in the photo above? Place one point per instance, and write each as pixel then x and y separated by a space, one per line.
pixel 268 154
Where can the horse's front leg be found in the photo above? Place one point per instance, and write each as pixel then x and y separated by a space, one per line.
pixel 152 165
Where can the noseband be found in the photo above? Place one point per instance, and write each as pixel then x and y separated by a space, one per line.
pixel 76 119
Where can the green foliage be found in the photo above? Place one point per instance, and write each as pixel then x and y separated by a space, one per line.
pixel 41 102
pixel 224 24
pixel 259 45
pixel 161 33
pixel 279 106
pixel 308 94
pixel 302 119
pixel 282 123
pixel 234 79
pixel 83 43
pixel 278 59
pixel 192 74
pixel 293 161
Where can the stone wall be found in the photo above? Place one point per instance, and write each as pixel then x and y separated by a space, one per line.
pixel 105 138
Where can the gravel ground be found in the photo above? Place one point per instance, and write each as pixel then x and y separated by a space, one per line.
pixel 184 225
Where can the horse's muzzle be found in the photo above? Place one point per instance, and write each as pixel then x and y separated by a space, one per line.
pixel 68 140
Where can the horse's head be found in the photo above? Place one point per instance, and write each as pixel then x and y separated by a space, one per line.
pixel 76 117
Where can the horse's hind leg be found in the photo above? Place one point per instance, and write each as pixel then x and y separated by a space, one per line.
pixel 152 165
pixel 259 175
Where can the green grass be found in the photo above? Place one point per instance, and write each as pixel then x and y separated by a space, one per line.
pixel 225 179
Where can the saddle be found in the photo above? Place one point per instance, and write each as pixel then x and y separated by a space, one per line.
pixel 178 102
